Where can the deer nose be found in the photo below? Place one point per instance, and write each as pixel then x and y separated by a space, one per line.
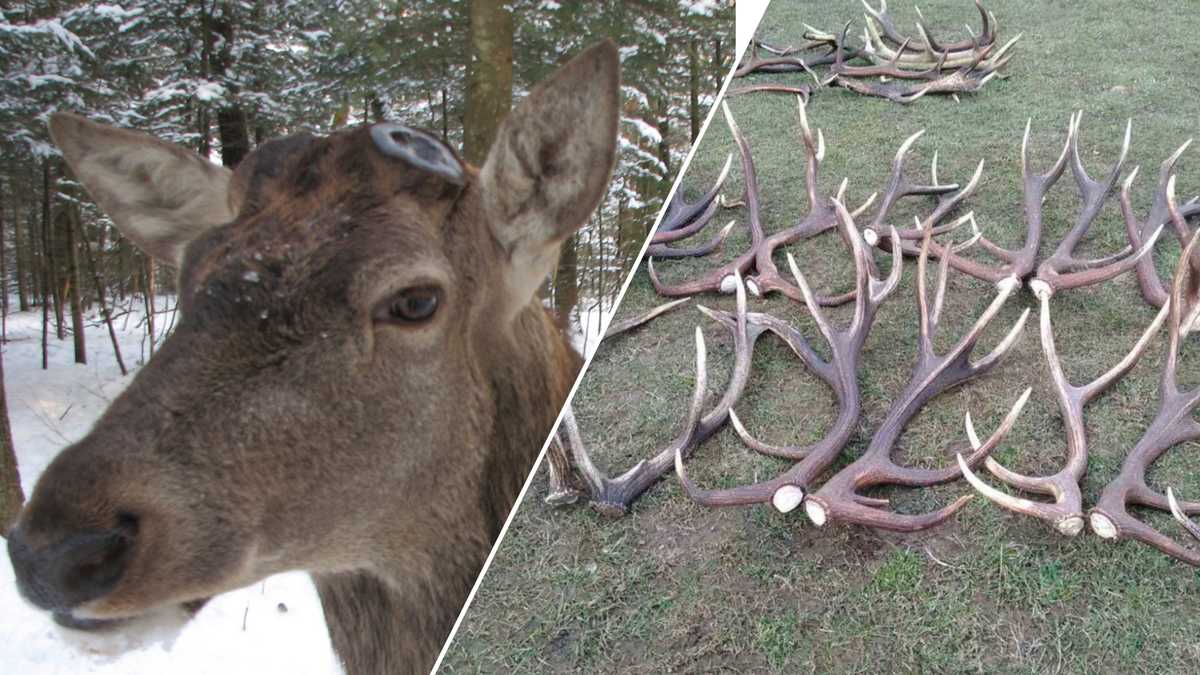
pixel 81 567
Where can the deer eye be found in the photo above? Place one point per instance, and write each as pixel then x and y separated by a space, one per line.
pixel 411 305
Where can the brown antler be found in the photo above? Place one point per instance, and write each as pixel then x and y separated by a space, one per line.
pixel 921 54
pixel 840 497
pixel 839 372
pixel 1066 511
pixel 1171 426
pixel 786 59
pixel 618 327
pixel 682 220
pixel 1016 263
pixel 757 262
pixel 1062 269
pixel 969 77
pixel 1151 284
pixel 887 26
pixel 613 496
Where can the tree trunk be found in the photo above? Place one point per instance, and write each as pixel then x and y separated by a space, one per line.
pixel 3 273
pixel 47 284
pixel 11 495
pixel 718 59
pixel 489 75
pixel 445 119
pixel 21 253
pixel 566 280
pixel 77 327
pixel 50 278
pixel 100 294
pixel 232 128
pixel 664 146
pixel 694 88
pixel 149 291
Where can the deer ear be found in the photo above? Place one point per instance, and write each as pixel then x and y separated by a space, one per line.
pixel 551 163
pixel 159 195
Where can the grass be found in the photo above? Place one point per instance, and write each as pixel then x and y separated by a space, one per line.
pixel 674 587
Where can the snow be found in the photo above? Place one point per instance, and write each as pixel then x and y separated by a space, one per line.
pixel 209 91
pixel 244 631
pixel 647 132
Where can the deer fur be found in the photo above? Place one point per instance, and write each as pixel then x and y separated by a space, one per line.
pixel 283 425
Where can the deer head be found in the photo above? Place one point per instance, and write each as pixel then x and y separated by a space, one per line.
pixel 361 377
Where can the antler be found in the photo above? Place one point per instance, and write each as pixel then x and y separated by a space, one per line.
pixel 613 496
pixel 618 327
pixel 759 257
pixel 722 278
pixel 683 220
pixel 969 77
pixel 840 498
pixel 784 59
pixel 839 372
pixel 887 26
pixel 921 54
pixel 1013 263
pixel 1062 269
pixel 1152 287
pixel 1171 426
pixel 1066 511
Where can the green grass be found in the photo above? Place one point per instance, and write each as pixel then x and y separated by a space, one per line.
pixel 676 587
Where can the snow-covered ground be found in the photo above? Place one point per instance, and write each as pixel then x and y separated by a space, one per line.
pixel 275 626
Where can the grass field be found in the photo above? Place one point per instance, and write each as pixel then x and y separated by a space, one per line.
pixel 674 587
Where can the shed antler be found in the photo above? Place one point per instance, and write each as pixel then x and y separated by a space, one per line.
pixel 840 372
pixel 1152 287
pixel 1171 426
pixel 683 219
pixel 1062 269
pixel 840 497
pixel 1066 511
pixel 757 263
pixel 888 30
pixel 613 496
pixel 925 52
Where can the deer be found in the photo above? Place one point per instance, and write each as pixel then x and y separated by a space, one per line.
pixel 360 382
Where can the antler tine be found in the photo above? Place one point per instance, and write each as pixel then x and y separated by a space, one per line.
pixel 1062 269
pixel 717 241
pixel 680 212
pixel 787 491
pixel 722 278
pixel 1110 519
pixel 1016 264
pixel 840 498
pixel 1151 285
pixel 617 327
pixel 1065 512
pixel 897 188
pixel 887 26
pixel 613 496
pixel 609 496
pixel 820 217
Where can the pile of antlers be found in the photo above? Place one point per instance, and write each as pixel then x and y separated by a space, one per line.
pixel 895 66
pixel 841 496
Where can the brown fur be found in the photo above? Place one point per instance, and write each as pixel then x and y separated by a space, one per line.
pixel 281 427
